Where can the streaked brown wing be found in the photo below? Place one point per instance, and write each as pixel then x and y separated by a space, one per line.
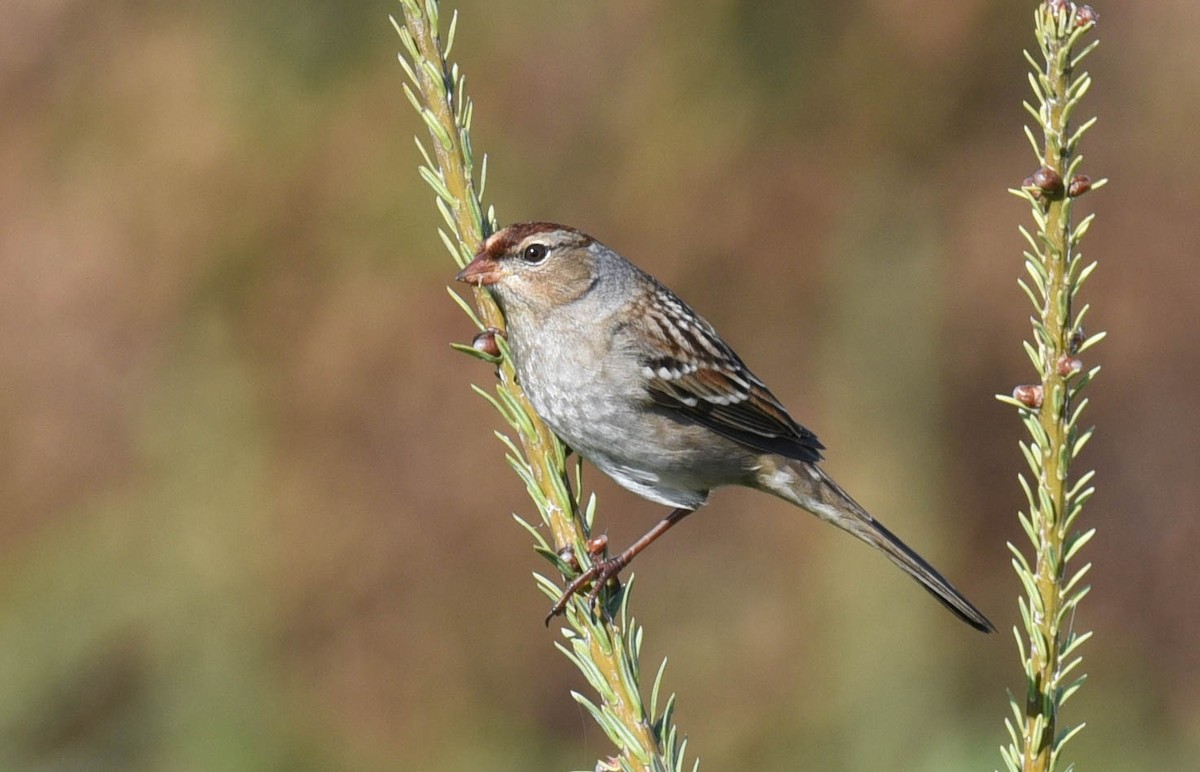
pixel 691 370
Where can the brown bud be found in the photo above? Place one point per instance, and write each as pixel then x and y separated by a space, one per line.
pixel 1058 6
pixel 1077 338
pixel 1085 14
pixel 1027 184
pixel 1068 366
pixel 567 555
pixel 1048 180
pixel 1080 184
pixel 485 342
pixel 1029 395
pixel 597 544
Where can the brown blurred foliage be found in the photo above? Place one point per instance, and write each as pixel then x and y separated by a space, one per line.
pixel 251 517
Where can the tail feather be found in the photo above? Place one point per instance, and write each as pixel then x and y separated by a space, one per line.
pixel 807 486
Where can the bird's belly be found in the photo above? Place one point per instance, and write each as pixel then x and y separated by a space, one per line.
pixel 643 448
pixel 597 405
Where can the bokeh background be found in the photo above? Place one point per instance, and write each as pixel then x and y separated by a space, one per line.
pixel 251 516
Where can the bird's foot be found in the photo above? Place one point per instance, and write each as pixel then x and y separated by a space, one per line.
pixel 599 574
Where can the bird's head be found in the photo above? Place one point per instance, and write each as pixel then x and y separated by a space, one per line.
pixel 534 265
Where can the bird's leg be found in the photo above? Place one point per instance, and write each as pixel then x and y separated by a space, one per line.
pixel 602 570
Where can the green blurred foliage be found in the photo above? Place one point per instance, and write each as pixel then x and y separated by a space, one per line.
pixel 252 518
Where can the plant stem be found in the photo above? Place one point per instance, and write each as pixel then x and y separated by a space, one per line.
pixel 1052 408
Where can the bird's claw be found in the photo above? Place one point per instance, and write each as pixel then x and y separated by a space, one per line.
pixel 599 574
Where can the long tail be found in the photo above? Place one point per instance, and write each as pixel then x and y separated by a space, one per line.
pixel 808 487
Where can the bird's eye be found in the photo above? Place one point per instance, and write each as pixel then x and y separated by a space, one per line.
pixel 534 253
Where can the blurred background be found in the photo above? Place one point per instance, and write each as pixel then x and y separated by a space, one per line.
pixel 252 517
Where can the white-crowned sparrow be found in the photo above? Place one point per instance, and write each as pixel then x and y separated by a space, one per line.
pixel 645 389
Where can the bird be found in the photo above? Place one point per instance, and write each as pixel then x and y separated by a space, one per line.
pixel 628 376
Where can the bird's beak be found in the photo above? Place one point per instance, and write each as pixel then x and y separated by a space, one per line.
pixel 481 271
